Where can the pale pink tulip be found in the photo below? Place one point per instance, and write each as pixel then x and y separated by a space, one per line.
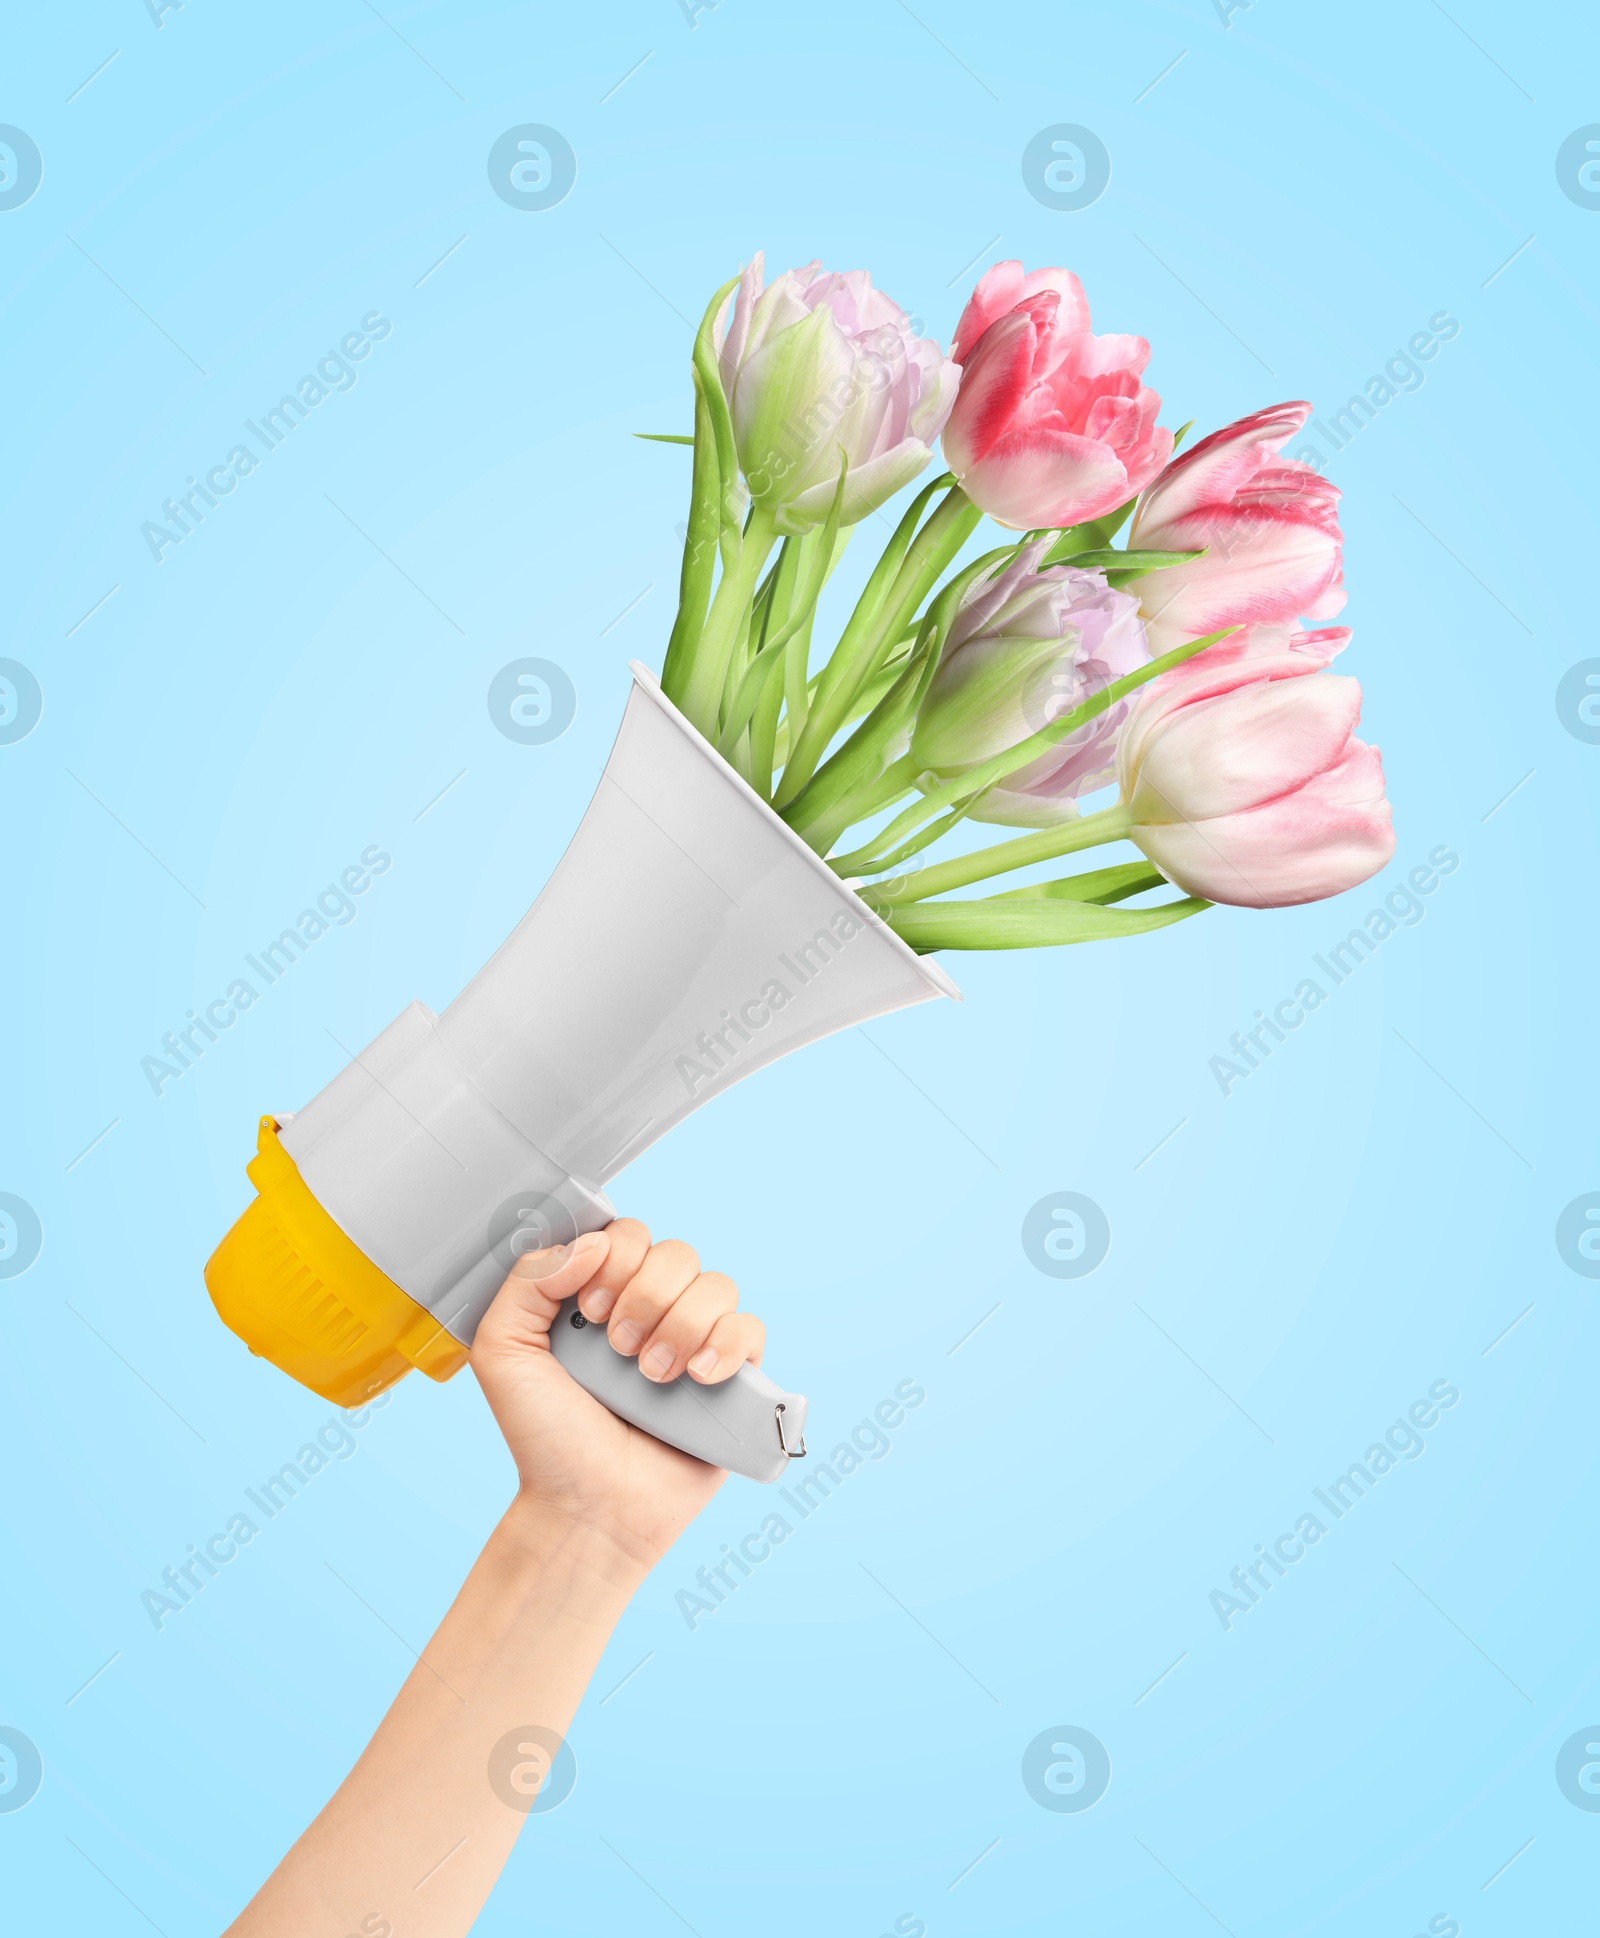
pixel 815 365
pixel 1245 779
pixel 1052 425
pixel 1024 648
pixel 1270 526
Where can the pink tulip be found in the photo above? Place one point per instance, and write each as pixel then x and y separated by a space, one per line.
pixel 1051 425
pixel 1271 527
pixel 1244 777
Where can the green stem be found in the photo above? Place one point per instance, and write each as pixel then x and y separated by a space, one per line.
pixel 764 736
pixel 702 699
pixel 769 615
pixel 1088 831
pixel 764 720
pixel 751 679
pixel 876 624
pixel 872 797
pixel 873 594
pixel 815 814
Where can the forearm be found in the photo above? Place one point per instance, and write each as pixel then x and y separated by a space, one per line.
pixel 416 1835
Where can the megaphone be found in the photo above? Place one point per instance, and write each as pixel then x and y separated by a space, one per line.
pixel 687 938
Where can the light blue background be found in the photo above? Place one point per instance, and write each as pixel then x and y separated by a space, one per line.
pixel 1302 1259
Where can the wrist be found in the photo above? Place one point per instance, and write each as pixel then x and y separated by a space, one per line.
pixel 612 1562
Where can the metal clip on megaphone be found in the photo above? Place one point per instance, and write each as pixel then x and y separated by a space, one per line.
pixel 687 937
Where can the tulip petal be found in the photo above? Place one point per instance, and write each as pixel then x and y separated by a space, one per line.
pixel 1003 288
pixel 1036 477
pixel 734 333
pixel 1090 357
pixel 1212 471
pixel 1260 653
pixel 1241 749
pixel 781 404
pixel 865 490
pixel 992 385
pixel 1328 837
pixel 1008 807
pixel 1270 527
pixel 1258 569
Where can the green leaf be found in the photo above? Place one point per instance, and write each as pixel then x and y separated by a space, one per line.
pixel 1007 922
pixel 662 437
pixel 1107 558
pixel 843 864
pixel 1100 885
pixel 710 375
pixel 1091 535
pixel 701 546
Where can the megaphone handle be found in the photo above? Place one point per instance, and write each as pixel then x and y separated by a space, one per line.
pixel 747 1424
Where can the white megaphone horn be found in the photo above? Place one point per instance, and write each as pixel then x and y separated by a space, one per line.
pixel 687 937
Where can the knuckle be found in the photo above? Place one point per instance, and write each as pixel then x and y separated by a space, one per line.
pixel 630 1246
pixel 641 1304
pixel 675 1254
pixel 680 1325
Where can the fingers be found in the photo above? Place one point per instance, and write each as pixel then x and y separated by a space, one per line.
pixel 654 1301
pixel 684 1328
pixel 737 1337
pixel 630 1245
pixel 679 1319
pixel 668 1270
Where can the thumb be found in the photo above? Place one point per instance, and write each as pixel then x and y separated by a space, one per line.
pixel 527 1303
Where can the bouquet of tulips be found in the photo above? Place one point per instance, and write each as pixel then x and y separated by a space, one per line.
pixel 1009 687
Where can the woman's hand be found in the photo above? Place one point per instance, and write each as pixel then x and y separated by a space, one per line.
pixel 577 1462
pixel 599 1504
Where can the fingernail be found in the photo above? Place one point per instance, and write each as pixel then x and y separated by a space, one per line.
pixel 626 1336
pixel 704 1363
pixel 596 1304
pixel 658 1361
